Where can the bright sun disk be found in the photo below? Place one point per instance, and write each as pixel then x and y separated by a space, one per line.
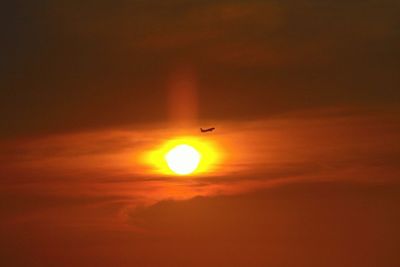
pixel 183 159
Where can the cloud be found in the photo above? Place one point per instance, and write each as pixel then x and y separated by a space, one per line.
pixel 315 223
pixel 314 145
pixel 287 183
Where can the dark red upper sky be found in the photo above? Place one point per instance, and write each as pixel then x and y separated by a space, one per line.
pixel 62 62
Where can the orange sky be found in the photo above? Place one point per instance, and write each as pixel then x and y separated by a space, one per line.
pixel 304 97
pixel 315 165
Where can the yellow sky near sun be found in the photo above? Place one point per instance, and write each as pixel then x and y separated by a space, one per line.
pixel 209 152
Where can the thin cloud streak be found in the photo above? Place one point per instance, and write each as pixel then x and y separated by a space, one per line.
pixel 104 167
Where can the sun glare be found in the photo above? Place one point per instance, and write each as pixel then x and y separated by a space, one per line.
pixel 183 159
pixel 183 156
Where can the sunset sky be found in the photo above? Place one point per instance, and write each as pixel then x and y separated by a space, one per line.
pixel 303 168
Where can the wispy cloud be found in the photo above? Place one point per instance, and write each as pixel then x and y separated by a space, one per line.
pixel 102 168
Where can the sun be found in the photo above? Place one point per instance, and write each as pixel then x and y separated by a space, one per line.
pixel 183 156
pixel 183 159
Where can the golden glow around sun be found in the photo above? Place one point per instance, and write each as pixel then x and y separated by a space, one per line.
pixel 183 159
pixel 183 156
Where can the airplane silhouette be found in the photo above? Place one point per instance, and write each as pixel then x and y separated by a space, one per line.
pixel 207 130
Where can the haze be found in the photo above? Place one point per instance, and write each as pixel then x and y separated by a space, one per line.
pixel 304 98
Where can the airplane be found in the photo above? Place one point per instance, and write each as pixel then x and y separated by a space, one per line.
pixel 207 130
